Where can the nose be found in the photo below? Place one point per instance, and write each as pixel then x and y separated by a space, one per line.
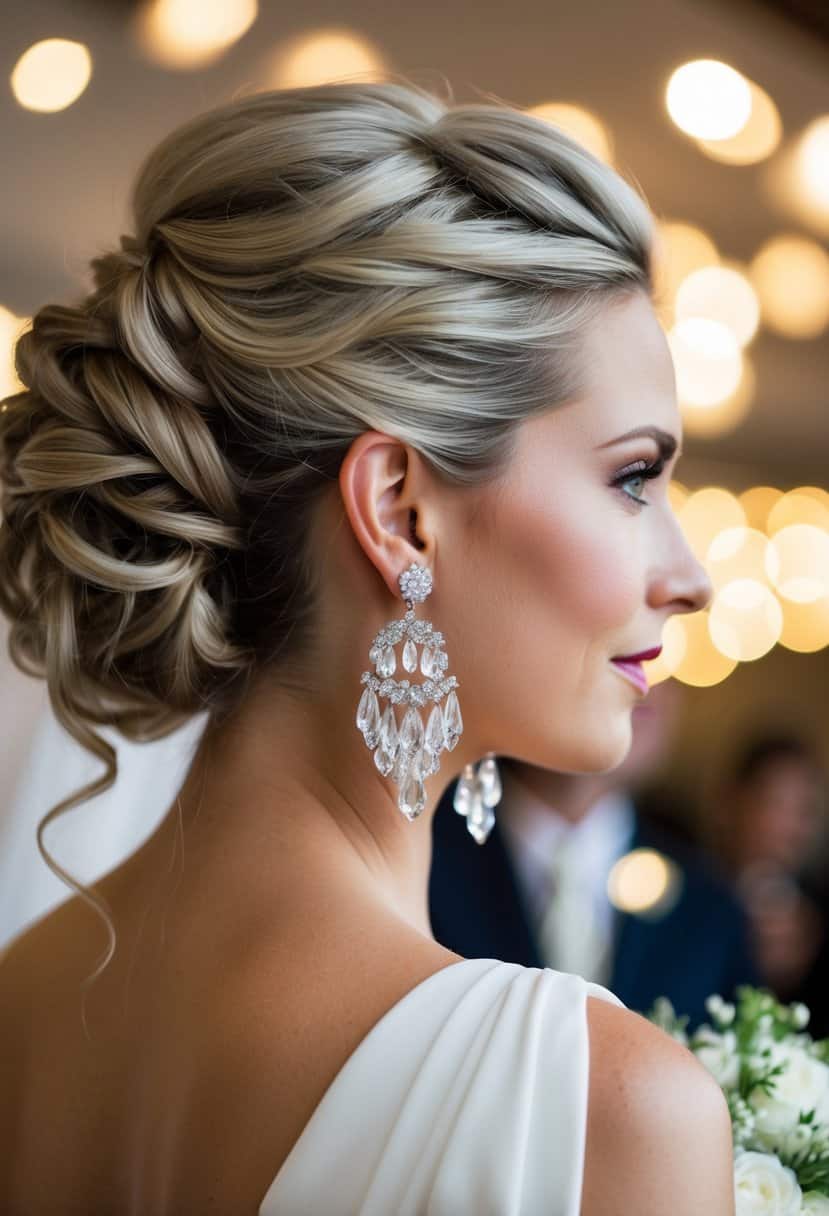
pixel 680 581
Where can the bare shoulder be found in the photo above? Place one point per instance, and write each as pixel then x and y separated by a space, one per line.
pixel 658 1127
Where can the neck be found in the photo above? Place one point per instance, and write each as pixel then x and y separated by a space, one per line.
pixel 285 804
pixel 571 795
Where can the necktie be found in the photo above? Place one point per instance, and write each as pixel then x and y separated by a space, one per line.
pixel 570 935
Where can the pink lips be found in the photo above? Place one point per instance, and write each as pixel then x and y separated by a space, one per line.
pixel 631 667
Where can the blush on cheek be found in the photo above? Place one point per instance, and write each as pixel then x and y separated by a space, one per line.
pixel 545 590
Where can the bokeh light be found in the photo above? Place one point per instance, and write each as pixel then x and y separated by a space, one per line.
pixel 326 55
pixel 708 99
pixel 738 553
pixel 798 562
pixel 707 361
pixel 756 140
pixel 707 512
pixel 188 34
pixel 702 665
pixel 745 619
pixel 644 881
pixel 757 502
pixel 51 75
pixel 791 275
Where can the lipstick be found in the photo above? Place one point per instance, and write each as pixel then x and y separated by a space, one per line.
pixel 630 666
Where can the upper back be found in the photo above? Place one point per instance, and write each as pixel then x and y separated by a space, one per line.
pixel 176 1077
pixel 203 1084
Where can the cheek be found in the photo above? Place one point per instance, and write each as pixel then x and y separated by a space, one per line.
pixel 541 597
pixel 579 568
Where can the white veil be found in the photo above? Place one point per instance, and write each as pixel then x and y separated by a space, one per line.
pixel 42 764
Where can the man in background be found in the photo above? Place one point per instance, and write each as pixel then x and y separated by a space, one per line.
pixel 561 881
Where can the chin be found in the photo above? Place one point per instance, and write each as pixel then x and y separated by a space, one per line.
pixel 605 749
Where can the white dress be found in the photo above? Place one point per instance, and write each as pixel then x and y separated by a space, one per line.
pixel 469 1096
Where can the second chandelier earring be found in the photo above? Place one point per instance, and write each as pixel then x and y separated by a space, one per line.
pixel 411 751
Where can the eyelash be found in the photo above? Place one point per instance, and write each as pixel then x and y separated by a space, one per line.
pixel 641 469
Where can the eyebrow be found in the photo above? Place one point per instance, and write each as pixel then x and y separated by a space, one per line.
pixel 667 443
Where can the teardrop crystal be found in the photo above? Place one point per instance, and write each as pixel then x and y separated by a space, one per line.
pixel 368 713
pixel 413 796
pixel 434 739
pixel 480 821
pixel 388 731
pixel 452 720
pixel 431 762
pixel 411 732
pixel 489 782
pixel 383 759
pixel 410 655
pixel 464 791
pixel 363 709
pixel 401 767
pixel 428 663
pixel 387 663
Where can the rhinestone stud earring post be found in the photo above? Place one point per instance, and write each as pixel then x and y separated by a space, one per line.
pixel 411 752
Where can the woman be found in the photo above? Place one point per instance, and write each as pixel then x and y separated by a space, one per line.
pixel 358 335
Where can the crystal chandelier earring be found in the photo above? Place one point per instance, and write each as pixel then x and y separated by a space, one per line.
pixel 411 752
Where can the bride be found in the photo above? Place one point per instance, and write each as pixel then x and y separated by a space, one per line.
pixel 361 443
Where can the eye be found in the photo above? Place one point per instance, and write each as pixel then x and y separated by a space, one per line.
pixel 639 471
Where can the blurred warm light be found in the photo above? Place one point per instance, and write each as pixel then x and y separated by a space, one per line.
pixel 791 275
pixel 813 162
pixel 673 652
pixel 737 553
pixel 757 503
pixel 707 512
pixel 798 562
pixel 721 293
pixel 805 626
pixel 51 74
pixel 679 250
pixel 11 326
pixel 707 361
pixel 754 142
pixel 325 56
pixel 702 665
pixel 708 99
pixel 789 195
pixel 192 33
pixel 644 881
pixel 797 507
pixel 815 492
pixel 677 495
pixel 719 417
pixel 745 619
pixel 582 124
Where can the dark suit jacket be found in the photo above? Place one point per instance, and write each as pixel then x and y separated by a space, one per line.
pixel 699 947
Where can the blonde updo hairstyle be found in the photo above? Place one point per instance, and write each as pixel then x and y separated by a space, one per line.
pixel 307 264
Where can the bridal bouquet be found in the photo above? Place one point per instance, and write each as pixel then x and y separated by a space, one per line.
pixel 775 1078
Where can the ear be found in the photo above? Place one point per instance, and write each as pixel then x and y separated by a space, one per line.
pixel 384 482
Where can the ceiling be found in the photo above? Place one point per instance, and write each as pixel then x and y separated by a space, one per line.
pixel 68 174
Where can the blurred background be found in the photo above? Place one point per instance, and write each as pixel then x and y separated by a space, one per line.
pixel 719 113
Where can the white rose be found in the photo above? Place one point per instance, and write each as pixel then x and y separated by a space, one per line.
pixel 764 1187
pixel 718 1053
pixel 803 1085
pixel 814 1204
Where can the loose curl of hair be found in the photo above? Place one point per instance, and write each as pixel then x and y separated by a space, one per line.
pixel 307 264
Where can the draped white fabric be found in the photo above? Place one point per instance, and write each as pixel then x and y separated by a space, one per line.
pixel 469 1095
